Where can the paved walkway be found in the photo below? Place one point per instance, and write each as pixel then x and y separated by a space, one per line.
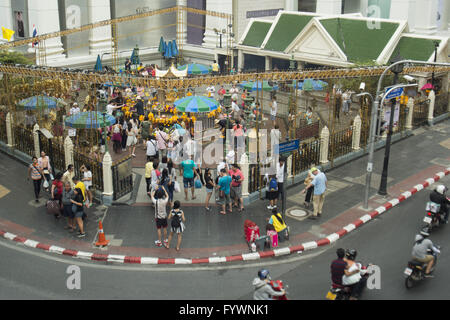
pixel 132 231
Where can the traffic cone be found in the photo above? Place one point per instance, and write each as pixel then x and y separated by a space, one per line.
pixel 101 236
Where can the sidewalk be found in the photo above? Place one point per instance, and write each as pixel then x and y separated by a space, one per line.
pixel 132 231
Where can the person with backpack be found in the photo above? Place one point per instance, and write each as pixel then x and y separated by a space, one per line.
pixel 177 224
pixel 272 192
pixel 160 203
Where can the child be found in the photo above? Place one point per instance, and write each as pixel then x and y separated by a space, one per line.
pixel 272 192
pixel 177 224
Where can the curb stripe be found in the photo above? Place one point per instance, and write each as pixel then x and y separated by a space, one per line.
pixel 242 257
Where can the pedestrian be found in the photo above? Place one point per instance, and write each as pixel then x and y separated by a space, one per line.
pixel 221 94
pixel 124 132
pixel 234 92
pixel 280 176
pixel 152 149
pixel 279 225
pixel 273 111
pixel 139 106
pixel 117 136
pixel 188 173
pixel 87 181
pixel 57 190
pixel 77 209
pixel 310 191
pixel 159 198
pixel 209 184
pixel 272 192
pixel 172 179
pixel 67 207
pixel 320 186
pixel 162 138
pixel 44 163
pixel 132 132
pixel 68 176
pixel 235 109
pixel 224 186
pixel 155 174
pixel 148 173
pixel 215 68
pixel 128 65
pixel 80 185
pixel 309 116
pixel 177 224
pixel 36 174
pixel 236 186
pixel 239 138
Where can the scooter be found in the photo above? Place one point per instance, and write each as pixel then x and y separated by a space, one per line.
pixel 341 292
pixel 278 285
pixel 415 272
pixel 433 217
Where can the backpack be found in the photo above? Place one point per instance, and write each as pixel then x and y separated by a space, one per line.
pixel 273 185
pixel 176 219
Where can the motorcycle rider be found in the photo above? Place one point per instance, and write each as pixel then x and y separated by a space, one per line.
pixel 352 277
pixel 263 291
pixel 338 267
pixel 420 251
pixel 438 196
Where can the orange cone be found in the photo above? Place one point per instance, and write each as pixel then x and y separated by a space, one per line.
pixel 101 236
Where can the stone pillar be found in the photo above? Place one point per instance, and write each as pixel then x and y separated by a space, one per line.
pixel 426 16
pixel 99 38
pixel 108 190
pixel 245 171
pixel 324 141
pixel 9 120
pixel 241 59
pixel 409 116
pixel 224 6
pixel 289 166
pixel 291 5
pixel 183 18
pixel 432 98
pixel 68 151
pixel 6 17
pixel 329 6
pixel 45 16
pixel 268 63
pixel 404 10
pixel 356 138
pixel 37 151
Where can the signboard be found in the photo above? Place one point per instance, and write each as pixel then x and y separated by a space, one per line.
pixel 394 93
pixel 288 146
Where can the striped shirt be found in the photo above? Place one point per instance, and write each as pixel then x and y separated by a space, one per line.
pixel 35 172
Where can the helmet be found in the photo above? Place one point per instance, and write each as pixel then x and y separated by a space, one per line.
pixel 263 274
pixel 441 189
pixel 424 233
pixel 351 254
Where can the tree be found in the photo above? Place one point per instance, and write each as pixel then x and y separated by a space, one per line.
pixel 13 57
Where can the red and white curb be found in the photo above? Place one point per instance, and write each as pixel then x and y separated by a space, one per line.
pixel 242 257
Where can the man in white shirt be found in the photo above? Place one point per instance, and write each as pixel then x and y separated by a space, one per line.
pixel 111 107
pixel 280 176
pixel 152 148
pixel 273 111
pixel 234 92
pixel 235 109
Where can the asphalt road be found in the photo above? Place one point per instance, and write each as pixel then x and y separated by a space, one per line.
pixel 385 241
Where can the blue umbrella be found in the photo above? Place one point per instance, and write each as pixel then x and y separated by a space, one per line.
pixel 98 65
pixel 310 84
pixel 195 68
pixel 256 85
pixel 89 120
pixel 161 45
pixel 196 104
pixel 38 102
pixel 175 48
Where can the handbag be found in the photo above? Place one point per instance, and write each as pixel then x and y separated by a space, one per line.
pixel 53 207
pixel 198 184
pixel 176 187
pixel 46 184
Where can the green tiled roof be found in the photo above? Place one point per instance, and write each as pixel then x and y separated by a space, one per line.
pixel 356 40
pixel 286 30
pixel 414 48
pixel 257 33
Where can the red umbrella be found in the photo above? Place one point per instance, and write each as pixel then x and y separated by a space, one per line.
pixel 428 86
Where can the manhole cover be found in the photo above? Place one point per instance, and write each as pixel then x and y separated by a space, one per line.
pixel 298 213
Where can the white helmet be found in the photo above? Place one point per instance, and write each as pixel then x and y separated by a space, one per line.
pixel 441 189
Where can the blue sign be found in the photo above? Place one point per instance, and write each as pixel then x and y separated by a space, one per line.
pixel 288 146
pixel 394 93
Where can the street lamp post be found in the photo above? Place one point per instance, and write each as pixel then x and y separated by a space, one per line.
pixel 374 119
pixel 383 184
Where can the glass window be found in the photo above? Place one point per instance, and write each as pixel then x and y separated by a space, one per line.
pixel 307 5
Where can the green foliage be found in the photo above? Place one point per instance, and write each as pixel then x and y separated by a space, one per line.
pixel 13 57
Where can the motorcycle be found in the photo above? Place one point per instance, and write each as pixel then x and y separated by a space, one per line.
pixel 278 285
pixel 341 292
pixel 415 271
pixel 434 217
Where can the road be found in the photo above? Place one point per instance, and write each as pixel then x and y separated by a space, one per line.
pixel 385 241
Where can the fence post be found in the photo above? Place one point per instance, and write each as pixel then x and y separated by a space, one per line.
pixel 37 150
pixel 289 165
pixel 245 171
pixel 356 133
pixel 9 136
pixel 432 98
pixel 68 151
pixel 324 140
pixel 108 190
pixel 409 116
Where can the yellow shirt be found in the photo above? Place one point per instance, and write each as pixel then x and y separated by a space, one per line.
pixel 148 169
pixel 81 186
pixel 276 224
